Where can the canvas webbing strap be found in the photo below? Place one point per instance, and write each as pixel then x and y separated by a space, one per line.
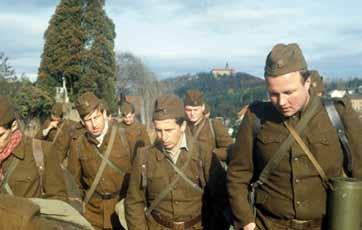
pixel 58 131
pixel 338 125
pixel 101 168
pixel 4 183
pixel 212 130
pixel 110 163
pixel 183 176
pixel 311 157
pixel 38 155
pixel 166 191
pixel 198 130
pixel 283 149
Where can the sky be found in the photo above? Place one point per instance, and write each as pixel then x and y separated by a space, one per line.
pixel 175 37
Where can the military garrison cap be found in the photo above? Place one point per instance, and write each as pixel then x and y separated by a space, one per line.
pixel 126 108
pixel 194 98
pixel 168 106
pixel 87 103
pixel 57 110
pixel 7 113
pixel 284 59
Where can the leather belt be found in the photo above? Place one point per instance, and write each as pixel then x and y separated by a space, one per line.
pixel 299 224
pixel 174 225
pixel 107 195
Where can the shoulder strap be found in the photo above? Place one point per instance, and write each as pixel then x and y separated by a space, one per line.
pixel 167 190
pixel 59 129
pixel 101 168
pixel 4 183
pixel 110 163
pixel 212 130
pixel 144 157
pixel 279 154
pixel 337 123
pixel 184 177
pixel 198 131
pixel 38 155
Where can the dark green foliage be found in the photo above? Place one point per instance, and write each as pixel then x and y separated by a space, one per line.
pixel 79 46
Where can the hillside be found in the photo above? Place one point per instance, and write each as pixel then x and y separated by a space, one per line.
pixel 225 95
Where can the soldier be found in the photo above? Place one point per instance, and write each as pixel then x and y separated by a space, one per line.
pixel 168 179
pixel 28 166
pixel 288 149
pixel 207 131
pixel 51 129
pixel 317 82
pixel 99 159
pixel 136 132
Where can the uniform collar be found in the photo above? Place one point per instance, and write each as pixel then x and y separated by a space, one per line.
pixel 184 145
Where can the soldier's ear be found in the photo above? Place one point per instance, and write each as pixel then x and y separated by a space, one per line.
pixel 307 83
pixel 14 126
pixel 183 126
pixel 203 107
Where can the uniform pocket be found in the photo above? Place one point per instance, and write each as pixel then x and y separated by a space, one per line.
pixel 155 185
pixel 326 148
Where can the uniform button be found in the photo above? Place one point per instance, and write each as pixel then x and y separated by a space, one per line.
pixel 176 202
pixel 299 203
pixel 297 181
pixel 296 158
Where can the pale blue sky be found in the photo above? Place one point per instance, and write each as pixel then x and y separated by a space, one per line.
pixel 186 36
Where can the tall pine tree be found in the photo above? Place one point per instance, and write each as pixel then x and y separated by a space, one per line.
pixel 79 46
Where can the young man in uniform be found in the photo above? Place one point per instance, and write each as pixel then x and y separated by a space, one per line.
pixel 28 168
pixel 289 191
pixel 170 178
pixel 52 127
pixel 135 131
pixel 99 159
pixel 205 130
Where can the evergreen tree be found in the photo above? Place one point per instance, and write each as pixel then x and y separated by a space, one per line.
pixel 99 73
pixel 79 46
pixel 62 49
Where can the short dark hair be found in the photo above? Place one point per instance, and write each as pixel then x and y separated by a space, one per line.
pixel 180 120
pixel 305 74
pixel 8 125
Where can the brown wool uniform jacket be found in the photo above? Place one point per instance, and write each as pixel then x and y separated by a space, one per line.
pixel 84 162
pixel 294 189
pixel 137 137
pixel 183 203
pixel 71 130
pixel 219 143
pixel 25 179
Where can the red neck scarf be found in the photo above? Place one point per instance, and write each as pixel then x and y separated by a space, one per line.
pixel 14 141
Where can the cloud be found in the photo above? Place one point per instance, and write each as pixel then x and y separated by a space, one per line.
pixel 186 36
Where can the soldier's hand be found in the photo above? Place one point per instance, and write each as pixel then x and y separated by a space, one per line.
pixel 53 124
pixel 250 226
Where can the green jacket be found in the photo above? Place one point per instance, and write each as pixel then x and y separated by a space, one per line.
pixel 293 190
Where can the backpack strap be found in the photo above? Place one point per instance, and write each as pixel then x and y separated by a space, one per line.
pixel 38 155
pixel 4 183
pixel 102 167
pixel 212 130
pixel 168 189
pixel 337 123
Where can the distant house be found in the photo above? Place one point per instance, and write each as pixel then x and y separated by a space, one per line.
pixel 356 101
pixel 220 72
